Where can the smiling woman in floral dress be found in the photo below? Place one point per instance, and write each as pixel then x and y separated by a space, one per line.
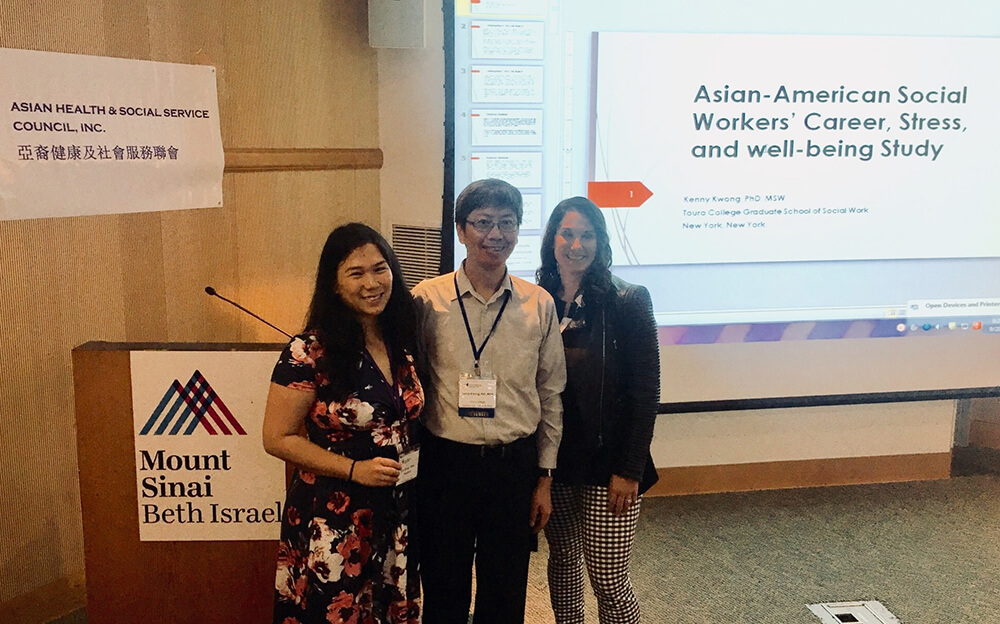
pixel 349 381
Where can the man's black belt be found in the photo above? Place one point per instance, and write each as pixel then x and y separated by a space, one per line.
pixel 483 451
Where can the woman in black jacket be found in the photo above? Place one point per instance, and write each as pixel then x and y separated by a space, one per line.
pixel 610 403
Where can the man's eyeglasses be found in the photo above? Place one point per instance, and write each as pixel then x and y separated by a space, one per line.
pixel 485 226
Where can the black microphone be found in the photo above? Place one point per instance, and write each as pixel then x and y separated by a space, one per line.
pixel 211 291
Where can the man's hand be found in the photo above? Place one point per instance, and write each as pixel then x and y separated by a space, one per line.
pixel 541 504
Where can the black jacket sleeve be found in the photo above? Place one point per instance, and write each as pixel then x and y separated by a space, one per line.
pixel 639 381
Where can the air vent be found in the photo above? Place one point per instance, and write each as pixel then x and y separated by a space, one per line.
pixel 419 251
pixel 861 611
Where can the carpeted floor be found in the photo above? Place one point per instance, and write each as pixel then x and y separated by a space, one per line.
pixel 928 551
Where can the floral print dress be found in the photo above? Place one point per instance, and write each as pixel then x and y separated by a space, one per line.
pixel 343 556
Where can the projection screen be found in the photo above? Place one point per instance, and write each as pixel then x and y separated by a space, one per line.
pixel 809 191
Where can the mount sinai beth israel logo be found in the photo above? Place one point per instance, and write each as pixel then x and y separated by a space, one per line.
pixel 183 408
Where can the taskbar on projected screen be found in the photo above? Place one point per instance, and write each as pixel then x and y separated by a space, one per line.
pixel 825 330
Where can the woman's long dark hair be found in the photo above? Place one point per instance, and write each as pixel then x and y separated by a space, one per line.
pixel 337 326
pixel 596 283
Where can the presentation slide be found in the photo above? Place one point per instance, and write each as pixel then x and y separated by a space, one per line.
pixel 753 159
pixel 516 85
pixel 770 170
pixel 522 169
pixel 524 260
pixel 532 8
pixel 507 127
pixel 532 219
pixel 507 40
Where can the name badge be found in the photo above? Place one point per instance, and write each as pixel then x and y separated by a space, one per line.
pixel 477 397
pixel 410 459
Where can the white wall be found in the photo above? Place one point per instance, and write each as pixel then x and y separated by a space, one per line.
pixel 411 127
pixel 723 438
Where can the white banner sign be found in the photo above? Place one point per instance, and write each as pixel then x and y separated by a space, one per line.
pixel 200 467
pixel 83 135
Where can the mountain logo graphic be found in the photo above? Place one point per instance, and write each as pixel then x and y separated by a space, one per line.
pixel 184 408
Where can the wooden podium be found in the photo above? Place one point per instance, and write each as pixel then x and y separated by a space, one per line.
pixel 151 582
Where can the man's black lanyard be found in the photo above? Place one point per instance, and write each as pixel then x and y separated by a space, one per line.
pixel 472 341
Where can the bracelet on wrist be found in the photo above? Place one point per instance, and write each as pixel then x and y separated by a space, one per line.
pixel 350 474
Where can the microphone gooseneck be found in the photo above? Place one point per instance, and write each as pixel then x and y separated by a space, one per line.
pixel 212 292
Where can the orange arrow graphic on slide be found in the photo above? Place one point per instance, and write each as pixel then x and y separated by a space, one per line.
pixel 618 194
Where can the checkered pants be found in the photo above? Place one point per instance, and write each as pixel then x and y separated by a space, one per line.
pixel 581 527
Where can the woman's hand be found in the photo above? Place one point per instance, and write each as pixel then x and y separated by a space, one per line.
pixel 622 494
pixel 376 472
